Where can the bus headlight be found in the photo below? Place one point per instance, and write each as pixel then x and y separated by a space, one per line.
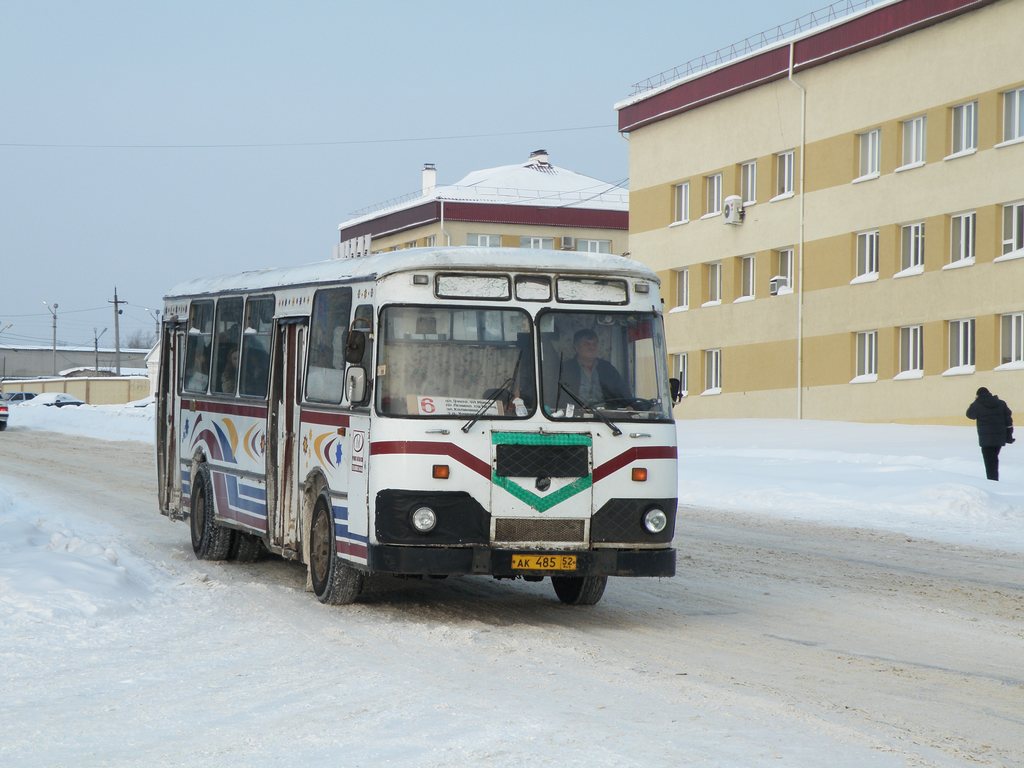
pixel 424 519
pixel 655 520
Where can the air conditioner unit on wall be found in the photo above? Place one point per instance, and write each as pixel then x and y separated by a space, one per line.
pixel 568 243
pixel 732 210
pixel 777 283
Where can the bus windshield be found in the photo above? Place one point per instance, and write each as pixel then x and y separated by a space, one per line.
pixel 455 361
pixel 611 363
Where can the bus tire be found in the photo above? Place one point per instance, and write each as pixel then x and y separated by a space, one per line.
pixel 334 581
pixel 210 541
pixel 246 548
pixel 579 590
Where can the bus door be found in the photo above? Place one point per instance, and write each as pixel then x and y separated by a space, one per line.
pixel 283 498
pixel 168 412
pixel 359 429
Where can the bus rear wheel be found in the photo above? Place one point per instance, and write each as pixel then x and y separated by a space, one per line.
pixel 334 582
pixel 210 541
pixel 579 590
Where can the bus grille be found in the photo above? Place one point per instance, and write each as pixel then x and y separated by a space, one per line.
pixel 527 529
pixel 542 460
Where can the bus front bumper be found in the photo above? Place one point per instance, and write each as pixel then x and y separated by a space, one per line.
pixel 444 561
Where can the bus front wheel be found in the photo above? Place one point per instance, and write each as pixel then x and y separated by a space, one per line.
pixel 210 541
pixel 579 590
pixel 334 582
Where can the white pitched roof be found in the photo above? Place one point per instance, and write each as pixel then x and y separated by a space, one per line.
pixel 530 183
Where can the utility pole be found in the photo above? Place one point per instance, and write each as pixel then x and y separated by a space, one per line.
pixel 96 347
pixel 117 331
pixel 53 312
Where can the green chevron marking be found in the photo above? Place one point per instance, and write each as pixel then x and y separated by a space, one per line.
pixel 542 503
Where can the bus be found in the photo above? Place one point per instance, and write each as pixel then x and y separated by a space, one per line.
pixel 428 412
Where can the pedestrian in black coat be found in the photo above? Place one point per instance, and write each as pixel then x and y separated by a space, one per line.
pixel 995 428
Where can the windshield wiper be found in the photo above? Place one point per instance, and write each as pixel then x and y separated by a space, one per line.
pixel 506 387
pixel 608 422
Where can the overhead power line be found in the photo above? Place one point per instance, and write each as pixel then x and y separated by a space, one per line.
pixel 283 144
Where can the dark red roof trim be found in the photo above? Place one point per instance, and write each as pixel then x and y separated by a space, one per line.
pixel 872 28
pixel 488 213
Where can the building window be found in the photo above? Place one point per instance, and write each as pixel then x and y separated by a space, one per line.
pixel 961 231
pixel 784 269
pixel 593 246
pixel 712 371
pixel 683 288
pixel 713 197
pixel 867 355
pixel 1013 115
pixel 679 365
pixel 912 349
pixel 961 344
pixel 1012 341
pixel 867 254
pixel 490 241
pixel 869 152
pixel 748 182
pixel 536 242
pixel 784 173
pixel 912 252
pixel 430 241
pixel 914 141
pixel 714 283
pixel 682 203
pixel 1013 228
pixel 747 277
pixel 965 127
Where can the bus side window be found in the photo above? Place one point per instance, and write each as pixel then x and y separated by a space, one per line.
pixel 328 334
pixel 226 337
pixel 256 336
pixel 196 373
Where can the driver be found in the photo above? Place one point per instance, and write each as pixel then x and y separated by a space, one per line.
pixel 592 378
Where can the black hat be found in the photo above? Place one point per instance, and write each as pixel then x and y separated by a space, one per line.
pixel 983 391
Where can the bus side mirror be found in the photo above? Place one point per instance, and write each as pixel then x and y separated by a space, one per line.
pixel 355 384
pixel 677 390
pixel 355 346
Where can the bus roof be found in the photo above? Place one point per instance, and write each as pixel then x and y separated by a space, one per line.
pixel 381 264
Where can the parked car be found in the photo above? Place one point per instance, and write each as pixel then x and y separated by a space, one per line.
pixel 3 415
pixel 58 399
pixel 17 397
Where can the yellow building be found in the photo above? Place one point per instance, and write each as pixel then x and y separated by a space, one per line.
pixel 838 217
pixel 534 204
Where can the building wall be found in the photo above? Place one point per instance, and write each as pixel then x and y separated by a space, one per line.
pixel 459 231
pixel 38 361
pixel 927 72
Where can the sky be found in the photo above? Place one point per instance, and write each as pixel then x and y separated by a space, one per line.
pixel 122 149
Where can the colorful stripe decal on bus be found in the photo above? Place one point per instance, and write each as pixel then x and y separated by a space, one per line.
pixel 428 448
pixel 352 545
pixel 236 500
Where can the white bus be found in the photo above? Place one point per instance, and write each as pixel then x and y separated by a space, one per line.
pixel 427 412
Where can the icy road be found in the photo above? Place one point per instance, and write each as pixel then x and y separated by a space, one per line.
pixel 778 644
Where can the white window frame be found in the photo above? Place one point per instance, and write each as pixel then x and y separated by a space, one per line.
pixel 911 249
pixel 784 268
pixel 682 289
pixel 784 174
pixel 914 142
pixel 911 352
pixel 961 346
pixel 536 242
pixel 748 275
pixel 1013 230
pixel 487 241
pixel 681 203
pixel 1011 341
pixel 748 182
pixel 867 255
pixel 714 284
pixel 1013 115
pixel 680 369
pixel 870 143
pixel 713 194
pixel 962 235
pixel 712 371
pixel 866 365
pixel 585 245
pixel 964 131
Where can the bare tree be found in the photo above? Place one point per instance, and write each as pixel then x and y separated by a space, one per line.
pixel 140 339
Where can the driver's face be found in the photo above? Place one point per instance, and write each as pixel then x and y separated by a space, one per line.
pixel 586 350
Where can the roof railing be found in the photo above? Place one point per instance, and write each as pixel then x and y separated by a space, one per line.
pixel 769 37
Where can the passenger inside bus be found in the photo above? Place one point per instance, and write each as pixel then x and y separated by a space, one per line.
pixel 592 378
pixel 229 373
pixel 199 376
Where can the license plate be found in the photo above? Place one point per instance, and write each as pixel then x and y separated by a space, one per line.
pixel 544 562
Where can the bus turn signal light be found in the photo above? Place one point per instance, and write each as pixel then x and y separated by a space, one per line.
pixel 640 474
pixel 441 472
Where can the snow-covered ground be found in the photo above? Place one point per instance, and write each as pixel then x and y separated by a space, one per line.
pixel 117 648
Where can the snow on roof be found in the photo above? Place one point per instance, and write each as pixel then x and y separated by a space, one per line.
pixel 535 182
pixel 380 264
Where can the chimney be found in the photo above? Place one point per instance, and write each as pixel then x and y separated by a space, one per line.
pixel 539 157
pixel 429 177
